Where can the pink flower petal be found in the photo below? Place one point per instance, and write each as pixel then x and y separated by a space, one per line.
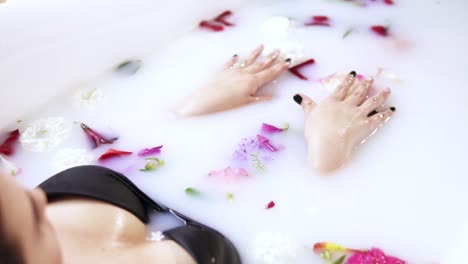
pixel 150 151
pixel 267 128
pixel 96 138
pixel 229 173
pixel 8 146
pixel 295 70
pixel 113 153
pixel 373 256
pixel 270 205
pixel 266 142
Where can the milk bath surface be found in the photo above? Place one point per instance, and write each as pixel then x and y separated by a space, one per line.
pixel 404 190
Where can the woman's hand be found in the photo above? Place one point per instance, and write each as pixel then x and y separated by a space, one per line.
pixel 346 118
pixel 236 85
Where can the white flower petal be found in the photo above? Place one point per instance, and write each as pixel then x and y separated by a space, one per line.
pixel 45 134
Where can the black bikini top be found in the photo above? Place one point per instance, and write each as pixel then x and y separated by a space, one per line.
pixel 206 245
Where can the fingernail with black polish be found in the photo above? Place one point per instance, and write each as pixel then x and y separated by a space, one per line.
pixel 288 60
pixel 353 73
pixel 298 99
pixel 372 113
pixel 235 55
pixel 393 109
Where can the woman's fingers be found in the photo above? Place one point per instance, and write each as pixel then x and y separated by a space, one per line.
pixel 271 73
pixel 374 102
pixel 231 62
pixel 342 90
pixel 379 118
pixel 252 57
pixel 264 63
pixel 260 98
pixel 359 94
pixel 304 101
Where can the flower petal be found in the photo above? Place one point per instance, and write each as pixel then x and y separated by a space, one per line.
pixel 380 30
pixel 113 153
pixel 222 18
pixel 295 70
pixel 266 142
pixel 150 151
pixel 8 146
pixel 267 128
pixel 211 26
pixel 96 138
pixel 270 205
pixel 373 256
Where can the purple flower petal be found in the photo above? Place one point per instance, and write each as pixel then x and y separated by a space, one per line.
pixel 150 151
pixel 267 128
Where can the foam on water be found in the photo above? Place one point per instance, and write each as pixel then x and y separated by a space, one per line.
pixel 403 191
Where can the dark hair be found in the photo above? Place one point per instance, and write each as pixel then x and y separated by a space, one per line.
pixel 10 252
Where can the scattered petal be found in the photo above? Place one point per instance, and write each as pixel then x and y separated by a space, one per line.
pixel 192 192
pixel 229 172
pixel 266 142
pixel 113 153
pixel 332 247
pixel 230 197
pixel 217 24
pixel 211 26
pixel 153 164
pixel 150 151
pixel 380 30
pixel 96 138
pixel 389 2
pixel 319 21
pixel 9 166
pixel 45 134
pixel 272 129
pixel 270 205
pixel 222 18
pixel 69 157
pixel 245 148
pixel 295 70
pixel 8 146
pixel 373 256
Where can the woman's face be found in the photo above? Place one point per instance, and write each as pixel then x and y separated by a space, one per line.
pixel 23 218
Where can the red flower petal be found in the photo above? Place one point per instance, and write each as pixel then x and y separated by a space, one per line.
pixel 222 18
pixel 96 138
pixel 211 26
pixel 8 146
pixel 270 205
pixel 319 21
pixel 389 2
pixel 113 153
pixel 295 70
pixel 380 30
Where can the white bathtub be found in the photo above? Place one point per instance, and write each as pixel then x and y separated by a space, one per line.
pixel 50 47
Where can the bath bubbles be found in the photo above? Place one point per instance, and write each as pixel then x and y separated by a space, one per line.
pixel 274 248
pixel 71 157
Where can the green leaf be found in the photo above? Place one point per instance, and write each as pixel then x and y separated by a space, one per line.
pixel 230 197
pixel 348 32
pixel 192 192
pixel 257 163
pixel 340 260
